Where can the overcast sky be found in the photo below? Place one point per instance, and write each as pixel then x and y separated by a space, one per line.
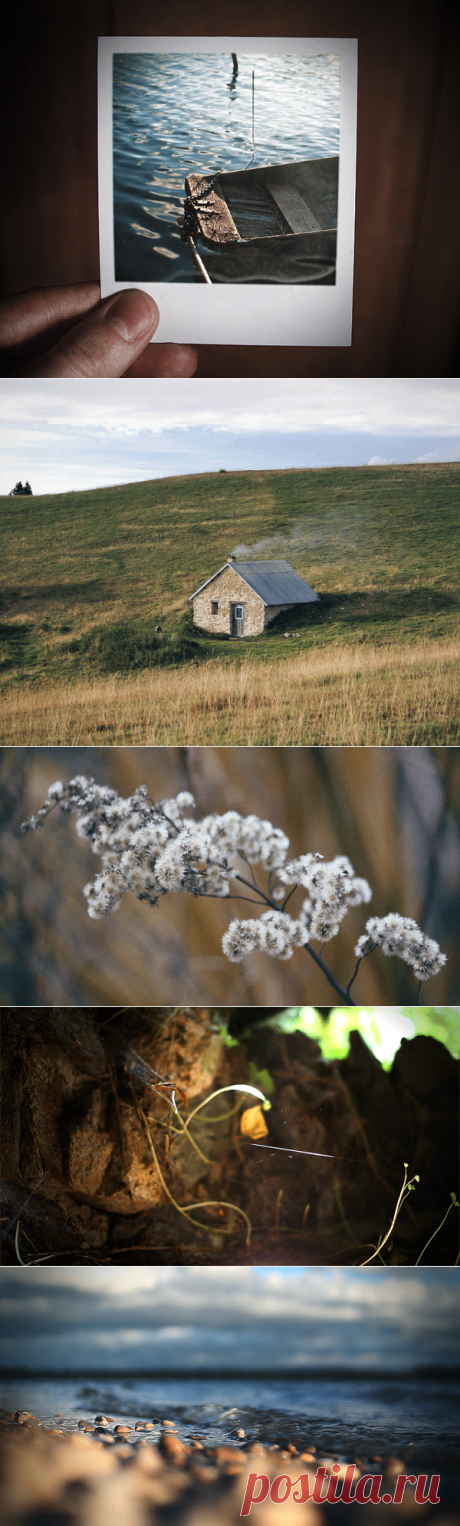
pixel 67 435
pixel 247 1318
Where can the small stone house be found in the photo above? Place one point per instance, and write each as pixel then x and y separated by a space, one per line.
pixel 243 597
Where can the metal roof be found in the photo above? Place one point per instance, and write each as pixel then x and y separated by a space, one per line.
pixel 274 582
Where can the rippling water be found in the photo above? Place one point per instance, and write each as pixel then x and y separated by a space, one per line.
pixel 179 112
pixel 348 1418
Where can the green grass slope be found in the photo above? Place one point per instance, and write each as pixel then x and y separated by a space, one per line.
pixel 380 544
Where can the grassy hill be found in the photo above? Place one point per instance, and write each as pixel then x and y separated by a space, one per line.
pixel 380 544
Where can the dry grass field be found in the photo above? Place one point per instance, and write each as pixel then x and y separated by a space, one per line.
pixel 343 696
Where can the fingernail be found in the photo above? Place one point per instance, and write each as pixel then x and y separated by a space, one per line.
pixel 133 314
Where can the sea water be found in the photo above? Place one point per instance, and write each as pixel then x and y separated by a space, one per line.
pixel 346 1417
pixel 176 113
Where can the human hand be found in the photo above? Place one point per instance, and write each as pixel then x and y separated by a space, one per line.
pixel 68 331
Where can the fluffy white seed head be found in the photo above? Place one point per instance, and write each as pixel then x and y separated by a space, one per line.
pixel 401 936
pixel 149 849
pixel 258 840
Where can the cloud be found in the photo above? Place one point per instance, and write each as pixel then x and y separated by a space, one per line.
pixel 442 455
pixel 381 461
pixel 237 1317
pixel 126 408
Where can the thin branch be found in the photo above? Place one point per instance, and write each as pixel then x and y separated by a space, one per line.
pixel 243 855
pixel 353 978
pixel 267 898
pixel 252 902
pixel 329 976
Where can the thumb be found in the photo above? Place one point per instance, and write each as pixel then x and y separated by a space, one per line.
pixel 107 341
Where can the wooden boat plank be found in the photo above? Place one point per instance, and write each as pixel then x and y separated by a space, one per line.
pixel 316 180
pixel 323 206
pixel 214 219
pixel 293 259
pixel 294 208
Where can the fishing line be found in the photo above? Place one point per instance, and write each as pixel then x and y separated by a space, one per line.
pixel 253 155
pixel 286 1151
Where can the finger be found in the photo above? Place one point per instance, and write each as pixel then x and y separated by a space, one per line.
pixel 46 310
pixel 165 360
pixel 108 341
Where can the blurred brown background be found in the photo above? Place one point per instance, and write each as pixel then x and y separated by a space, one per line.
pixel 394 811
pixel 406 297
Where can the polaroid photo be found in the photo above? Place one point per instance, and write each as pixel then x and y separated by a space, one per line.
pixel 227 184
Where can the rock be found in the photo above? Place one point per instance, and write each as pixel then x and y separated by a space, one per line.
pixel 174 1450
pixel 231 1454
pixel 203 1474
pixel 423 1066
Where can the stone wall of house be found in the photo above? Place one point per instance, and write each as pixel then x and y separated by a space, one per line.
pixel 225 590
pixel 275 609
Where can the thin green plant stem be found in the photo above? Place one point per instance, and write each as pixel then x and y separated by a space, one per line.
pixel 16 1246
pixel 253 1090
pixel 184 1211
pixel 196 1146
pixel 172 1199
pixel 94 1261
pixel 184 1127
pixel 453 1204
pixel 406 1188
pixel 218 1203
pixel 221 1117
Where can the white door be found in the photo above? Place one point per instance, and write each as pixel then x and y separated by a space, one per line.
pixel 237 619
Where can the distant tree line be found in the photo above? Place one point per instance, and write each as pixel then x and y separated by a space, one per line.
pixel 20 491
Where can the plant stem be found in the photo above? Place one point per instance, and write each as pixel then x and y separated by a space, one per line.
pixel 353 978
pixel 16 1245
pixel 267 898
pixel 452 1204
pixel 185 1211
pixel 218 1203
pixel 317 957
pixel 329 976
pixel 401 1199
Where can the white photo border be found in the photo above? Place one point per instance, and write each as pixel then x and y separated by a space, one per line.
pixel 238 314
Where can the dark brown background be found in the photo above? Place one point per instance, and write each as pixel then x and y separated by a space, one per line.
pixel 406 299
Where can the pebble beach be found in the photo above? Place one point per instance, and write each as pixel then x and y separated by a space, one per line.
pixel 106 1471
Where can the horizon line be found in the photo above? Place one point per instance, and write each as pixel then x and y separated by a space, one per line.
pixel 449 1371
pixel 228 471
